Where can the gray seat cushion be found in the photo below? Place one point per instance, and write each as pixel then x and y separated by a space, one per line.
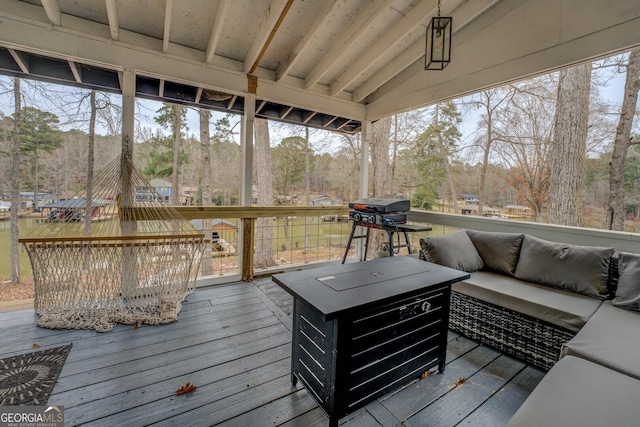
pixel 582 269
pixel 610 338
pixel 499 251
pixel 565 309
pixel 453 250
pixel 576 392
pixel 628 291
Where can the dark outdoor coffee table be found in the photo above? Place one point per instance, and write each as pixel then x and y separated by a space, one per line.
pixel 363 329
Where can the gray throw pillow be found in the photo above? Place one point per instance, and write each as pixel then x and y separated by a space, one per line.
pixel 453 250
pixel 628 292
pixel 499 251
pixel 581 269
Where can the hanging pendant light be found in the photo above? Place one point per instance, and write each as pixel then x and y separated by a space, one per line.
pixel 438 50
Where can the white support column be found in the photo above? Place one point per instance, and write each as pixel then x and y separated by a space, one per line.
pixel 245 258
pixel 246 194
pixel 365 137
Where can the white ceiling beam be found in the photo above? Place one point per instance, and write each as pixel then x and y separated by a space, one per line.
pixel 331 121
pixel 112 15
pixel 461 17
pixel 286 113
pixel 68 43
pixel 75 69
pixel 262 35
pixel 344 124
pixel 340 46
pixel 232 101
pixel 535 46
pixel 389 71
pixel 198 95
pixel 310 116
pixel 216 30
pixel 261 106
pixel 407 24
pixel 52 9
pixel 168 10
pixel 161 88
pixel 21 60
pixel 320 17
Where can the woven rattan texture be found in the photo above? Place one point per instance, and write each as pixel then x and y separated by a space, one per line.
pixel 522 336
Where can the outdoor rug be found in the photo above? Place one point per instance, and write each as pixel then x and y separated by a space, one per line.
pixel 28 379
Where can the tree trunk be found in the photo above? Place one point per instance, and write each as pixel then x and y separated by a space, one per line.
pixel 394 157
pixel 307 189
pixel 36 188
pixel 616 211
pixel 205 187
pixel 90 161
pixel 175 182
pixel 380 168
pixel 15 184
pixel 444 155
pixel 485 164
pixel 452 187
pixel 264 256
pixel 380 157
pixel 566 192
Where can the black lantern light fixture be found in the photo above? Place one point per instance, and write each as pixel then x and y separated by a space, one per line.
pixel 438 50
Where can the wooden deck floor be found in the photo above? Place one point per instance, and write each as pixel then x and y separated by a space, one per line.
pixel 234 342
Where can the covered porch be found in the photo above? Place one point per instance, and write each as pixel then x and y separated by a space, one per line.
pixel 281 60
pixel 234 343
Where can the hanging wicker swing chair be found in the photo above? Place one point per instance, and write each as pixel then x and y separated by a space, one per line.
pixel 117 255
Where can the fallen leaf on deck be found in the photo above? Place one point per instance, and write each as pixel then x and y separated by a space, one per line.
pixel 426 374
pixel 137 325
pixel 187 388
pixel 35 345
pixel 458 383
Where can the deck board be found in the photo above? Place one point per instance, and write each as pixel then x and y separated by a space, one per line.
pixel 234 343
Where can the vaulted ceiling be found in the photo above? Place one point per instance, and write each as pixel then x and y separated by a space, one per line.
pixel 326 63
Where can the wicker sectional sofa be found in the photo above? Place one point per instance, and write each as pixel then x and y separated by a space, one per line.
pixel 526 296
pixel 572 310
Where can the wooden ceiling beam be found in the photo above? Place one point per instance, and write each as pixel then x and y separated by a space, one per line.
pixel 320 17
pixel 216 30
pixel 52 9
pixel 112 15
pixel 407 24
pixel 463 15
pixel 75 69
pixel 20 59
pixel 168 10
pixel 266 31
pixel 340 47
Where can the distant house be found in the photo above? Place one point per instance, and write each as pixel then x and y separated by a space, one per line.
pixel 29 196
pixel 473 210
pixel 188 195
pixel 150 194
pixel 72 210
pixel 518 211
pixel 220 228
pixel 324 200
pixel 468 199
pixel 162 187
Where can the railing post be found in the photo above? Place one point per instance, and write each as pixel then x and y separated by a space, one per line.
pixel 248 224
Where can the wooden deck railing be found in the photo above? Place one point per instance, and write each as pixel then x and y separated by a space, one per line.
pixel 619 240
pixel 440 222
pixel 247 216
